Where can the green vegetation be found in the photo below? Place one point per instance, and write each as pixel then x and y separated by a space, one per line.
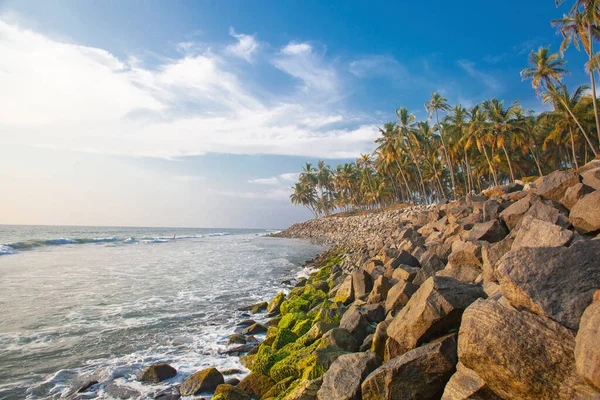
pixel 460 150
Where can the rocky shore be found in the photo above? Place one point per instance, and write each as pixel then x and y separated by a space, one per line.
pixel 492 296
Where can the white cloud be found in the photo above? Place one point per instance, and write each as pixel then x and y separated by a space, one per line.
pixel 245 47
pixel 488 80
pixel 265 181
pixel 377 66
pixel 302 62
pixel 290 176
pixel 81 98
pixel 282 194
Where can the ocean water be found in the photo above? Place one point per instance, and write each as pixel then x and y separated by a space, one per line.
pixel 81 303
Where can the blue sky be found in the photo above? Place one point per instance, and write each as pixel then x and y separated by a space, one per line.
pixel 201 113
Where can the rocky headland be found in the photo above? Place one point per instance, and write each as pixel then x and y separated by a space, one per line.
pixel 492 296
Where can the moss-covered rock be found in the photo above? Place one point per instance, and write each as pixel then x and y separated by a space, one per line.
pixel 158 373
pixel 302 327
pixel 275 304
pixel 295 304
pixel 280 389
pixel 262 306
pixel 315 332
pixel 229 392
pixel 284 336
pixel 288 321
pixel 206 380
pixel 266 358
pixel 256 385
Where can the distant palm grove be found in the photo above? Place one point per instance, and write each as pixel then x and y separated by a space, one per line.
pixel 460 150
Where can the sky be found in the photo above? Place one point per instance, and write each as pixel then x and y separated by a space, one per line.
pixel 202 113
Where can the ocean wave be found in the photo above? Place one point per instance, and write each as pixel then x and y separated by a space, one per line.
pixel 218 234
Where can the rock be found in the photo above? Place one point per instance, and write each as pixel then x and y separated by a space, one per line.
pixel 585 215
pixel 490 231
pixel 381 287
pixel 557 282
pixel 466 384
pixel 120 392
pixel 431 264
pixel 380 337
pixel 574 193
pixel 555 184
pixel 518 354
pixel 256 385
pixel 465 253
pixel 246 322
pixel 306 390
pixel 491 254
pixel 398 296
pixel 591 178
pixel 316 332
pixel 340 337
pixel 491 209
pixel 255 329
pixel 259 307
pixel 230 392
pixel 405 272
pixel 537 233
pixel 590 165
pixel 421 373
pixel 275 303
pixel 366 344
pixel 345 293
pixel 513 214
pixel 232 371
pixel 206 380
pixel 362 283
pixel 461 272
pixel 158 373
pixel 405 258
pixel 239 349
pixel 433 311
pixel 342 381
pixel 232 381
pixel 587 351
pixel 355 322
pixel 236 339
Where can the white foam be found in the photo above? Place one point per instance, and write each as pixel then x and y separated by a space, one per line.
pixel 4 249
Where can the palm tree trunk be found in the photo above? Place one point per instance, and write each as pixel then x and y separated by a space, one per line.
pixel 579 125
pixel 536 161
pixel 593 81
pixel 573 147
pixel 405 182
pixel 446 154
pixel 490 165
pixel 512 175
pixel 437 178
pixel 418 171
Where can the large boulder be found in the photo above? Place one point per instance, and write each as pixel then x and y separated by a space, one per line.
pixel 345 293
pixel 398 296
pixel 380 337
pixel 362 283
pixel 466 384
pixel 343 379
pixel 587 349
pixel 491 254
pixel 557 282
pixel 574 193
pixel 355 322
pixel 405 272
pixel 158 373
pixel 518 354
pixel 230 392
pixel 306 390
pixel 405 258
pixel 591 178
pixel 513 213
pixel 340 337
pixel 381 287
pixel 421 373
pixel 433 311
pixel 555 184
pixel 538 233
pixel 256 385
pixel 206 380
pixel 585 215
pixel 490 231
pixel 432 263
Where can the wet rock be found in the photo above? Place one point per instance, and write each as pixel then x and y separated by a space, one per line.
pixel 585 215
pixel 537 233
pixel 206 380
pixel 466 384
pixel 239 350
pixel 230 392
pixel 518 354
pixel 275 304
pixel 557 282
pixel 362 283
pixel 232 381
pixel 256 385
pixel 246 322
pixel 236 339
pixel 255 329
pixel 120 392
pixel 340 337
pixel 421 373
pixel 433 311
pixel 555 184
pixel 398 296
pixel 381 287
pixel 158 373
pixel 490 231
pixel 574 193
pixel 587 351
pixel 342 381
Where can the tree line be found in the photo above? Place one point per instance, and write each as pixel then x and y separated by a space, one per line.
pixel 460 150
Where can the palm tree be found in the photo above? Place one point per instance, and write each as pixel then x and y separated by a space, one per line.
pixel 479 134
pixel 436 104
pixel 502 125
pixel 457 126
pixel 580 25
pixel 304 195
pixel 546 70
pixel 408 136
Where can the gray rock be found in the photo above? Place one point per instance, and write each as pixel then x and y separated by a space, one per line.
pixel 587 351
pixel 490 231
pixel 340 337
pixel 342 381
pixel 555 184
pixel 585 215
pixel 355 322
pixel 538 233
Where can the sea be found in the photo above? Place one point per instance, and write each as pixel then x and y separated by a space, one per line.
pixel 82 304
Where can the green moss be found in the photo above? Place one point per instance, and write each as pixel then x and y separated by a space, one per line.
pixel 280 389
pixel 301 327
pixel 275 303
pixel 272 331
pixel 284 336
pixel 219 397
pixel 288 321
pixel 265 359
pixel 295 304
pixel 284 369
